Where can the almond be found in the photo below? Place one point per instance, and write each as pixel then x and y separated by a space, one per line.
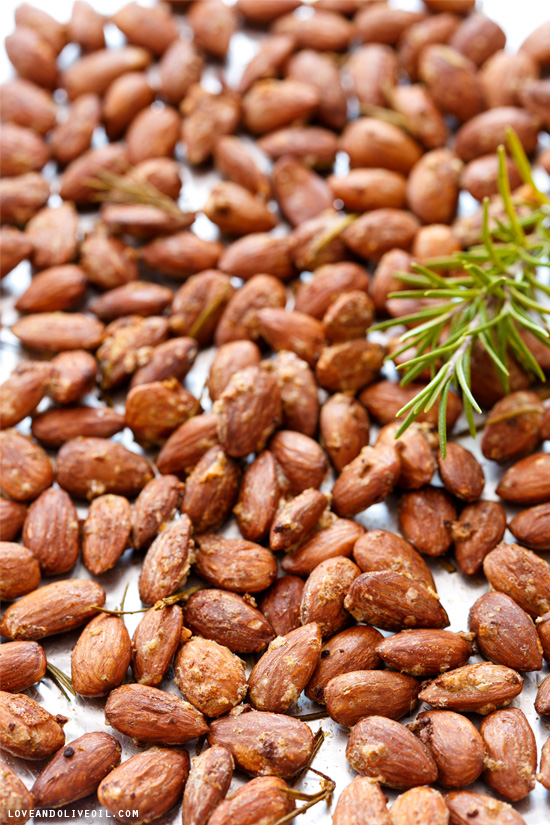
pixel 480 527
pixel 207 785
pixel 51 532
pixel 12 516
pixel 15 247
pixel 300 192
pixel 21 151
pixel 259 496
pixel 27 105
pixel 503 75
pixel 240 318
pixel 543 628
pixel 323 31
pixel 107 261
pixel 167 563
pixel 153 716
pixel 425 652
pixel 318 241
pixel 461 473
pixel 385 399
pixel 264 798
pixel 213 24
pixel 536 45
pixel 454 743
pixel 324 594
pixel 352 696
pixel 96 71
pixel 89 467
pixel 171 359
pixel 478 37
pixel 50 29
pixel 187 445
pixel 20 570
pixel 302 460
pixel 315 146
pixel 125 97
pixel 337 538
pixel 22 197
pixel 361 798
pixel 415 451
pixel 248 411
pixel 387 752
pixel 155 505
pixel 349 366
pixel 295 331
pixel 373 70
pixel 308 66
pixel 206 117
pixel 77 769
pixel 350 650
pixel 512 427
pixel 101 656
pixel 479 688
pixel 510 753
pixel 153 133
pixel 27 730
pixel 22 392
pixel 234 564
pixel 281 604
pixel 125 342
pixel 86 27
pixel 329 282
pixel 527 481
pixel 155 642
pixel 22 664
pixel 268 60
pixel 144 221
pixel 375 143
pixel 150 782
pixel 345 429
pixel 349 317
pixel 209 676
pixel 211 490
pixel 54 608
pixel 299 392
pixel 296 518
pixel 544 775
pixel 271 103
pixel 54 427
pixel 483 133
pixel 15 799
pixel 180 68
pixel 199 303
pixel 155 410
pixel 423 118
pixel 504 632
pixel 532 527
pixel 234 161
pixel 394 602
pixel 380 230
pixel 229 620
pixel 522 575
pixel 425 518
pixel 133 298
pixel 385 25
pixel 32 56
pixel 465 805
pixel 419 805
pixel 153 28
pixel 77 180
pixel 56 331
pixel 452 80
pixel 368 479
pixel 282 673
pixel 105 532
pixel 73 136
pixel 72 375
pixel 263 743
pixel 433 186
pixel 26 469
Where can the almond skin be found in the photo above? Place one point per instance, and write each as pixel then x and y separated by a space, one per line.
pixel 461 474
pixel 167 562
pixel 394 602
pixel 324 594
pixel 479 688
pixel 77 769
pixel 22 664
pixel 150 782
pixel 155 505
pixel 419 805
pixel 188 444
pixel 425 518
pixel 532 527
pixel 105 533
pixel 248 411
pixel 211 490
pixel 153 716
pixel 302 460
pixel 284 670
pixel 425 652
pixel 522 575
pixel 19 570
pixel 296 518
pixel 234 564
pixel 207 785
pixel 89 467
pixel 54 608
pixel 352 696
pixel 101 656
pixel 382 550
pixel 26 469
pixel 155 642
pixel 505 634
pixel 368 479
pixel 259 496
pixel 387 752
pixel 336 538
pixel 465 805
pixel 27 729
pixel 454 743
pixel 478 530
pixel 51 532
pixel 263 743
pixel 229 620
pixel 510 753
pixel 15 799
pixel 210 676
pixel 361 799
pixel 352 649
pixel 55 427
pixel 527 481
pixel 262 799
pixel 281 604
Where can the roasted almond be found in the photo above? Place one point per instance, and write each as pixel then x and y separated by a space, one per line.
pixel 153 133
pixel 479 688
pixel 299 392
pixel 155 410
pixel 171 359
pixel 350 365
pixel 323 31
pixel 239 320
pixel 505 634
pixel 388 753
pixel 425 652
pixel 153 28
pixel 415 451
pixel 77 181
pixel 393 601
pixel 433 187
pixel 210 676
pixel 366 480
pixel 385 399
pixel 22 196
pixel 19 570
pixel 282 673
pixel 107 261
pixel 199 303
pixel 86 27
pixel 76 769
pixel 22 664
pixel 336 538
pixel 229 620
pixel 281 604
pixel 89 467
pixel 510 753
pixel 155 642
pixel 259 496
pixel 296 518
pixel 21 151
pixel 51 532
pixel 380 230
pixel 527 481
pixel 352 696
pixel 542 701
pixel 324 594
pixel 26 470
pixel 361 798
pixel 265 797
pixel 248 411
pixel 532 527
pixel 207 785
pixel 73 136
pixel 96 71
pixel 419 805
pixel 101 656
pixel 125 343
pixel 294 331
pixel 376 143
pixel 54 608
pixel 213 24
pixel 272 103
pixel 32 56
pixel 59 331
pixel 302 460
pixel 309 66
pixel 454 743
pixel 452 80
pixel 348 317
pixel 478 530
pixel 418 108
pixel 345 429
pixel 522 575
pixel 328 283
pixel 211 490
pixel 512 427
pixel 180 68
pixel 207 117
pixel 352 649
pixel 544 775
pixel 105 532
pixel 28 105
pixel 461 473
pixel 15 799
pixel 234 564
pixel 299 191
pixel 268 60
pixel 27 730
pixel 229 359
pixel 15 247
pixel 21 393
pixel 54 427
pixel 153 716
pixel 155 505
pixel 483 133
pixel 167 562
pixel 12 517
pixel 465 805
pixel 425 519
pixel 263 743
pixel 133 298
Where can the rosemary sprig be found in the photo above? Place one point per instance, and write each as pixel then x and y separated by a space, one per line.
pixel 496 296
pixel 61 680
pixel 127 189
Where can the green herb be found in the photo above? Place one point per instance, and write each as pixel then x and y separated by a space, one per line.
pixel 495 296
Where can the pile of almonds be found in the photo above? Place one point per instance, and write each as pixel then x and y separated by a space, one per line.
pixel 292 390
